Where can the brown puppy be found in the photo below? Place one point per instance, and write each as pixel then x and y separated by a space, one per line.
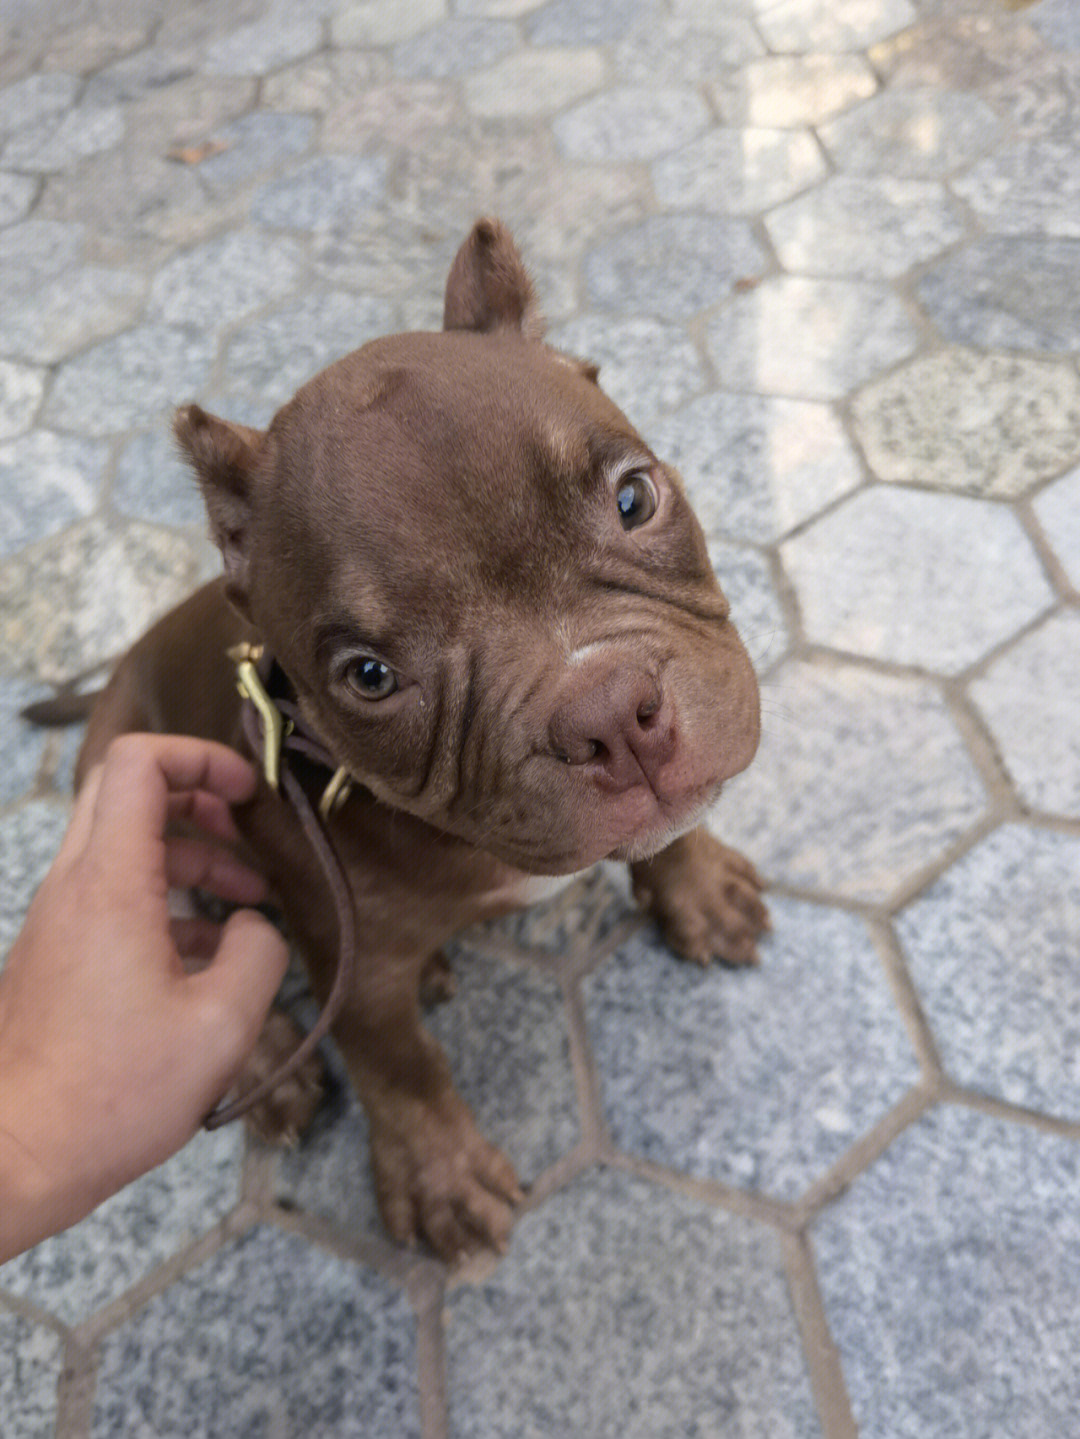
pixel 495 608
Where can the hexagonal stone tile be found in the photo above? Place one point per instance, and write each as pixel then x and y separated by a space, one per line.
pixel 802 25
pixel 382 22
pixel 917 133
pixel 152 482
pixel 785 90
pixel 125 381
pixel 738 171
pixel 46 482
pixel 314 85
pixel 952 47
pixel 685 49
pixel 265 44
pixel 860 781
pixel 36 98
pixel 328 193
pixel 672 265
pixel 1058 510
pixel 455 47
pixel 268 1336
pixel 756 1078
pixel 1030 698
pixel 1007 293
pixel 21 389
pixel 813 339
pixel 915 578
pixel 254 144
pixel 126 1238
pixel 35 251
pixel 69 312
pixel 646 367
pixel 588 22
pixel 756 467
pixel 16 196
pixel 615 125
pixel 1058 23
pixel 34 1360
pixel 1028 189
pixel 746 578
pixel 606 1282
pixel 61 141
pixel 29 839
pixel 535 82
pixel 214 284
pixel 864 227
pixel 991 948
pixel 959 420
pixel 949 1273
pixel 73 601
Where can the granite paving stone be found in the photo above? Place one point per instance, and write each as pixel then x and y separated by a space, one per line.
pixel 65 314
pixel 511 9
pixel 916 578
pixel 46 482
pixel 215 284
pixel 807 338
pixel 455 47
pixel 793 90
pixel 847 751
pixel 285 34
pixel 1058 23
pixel 125 381
pixel 738 171
pixel 313 85
pixel 1058 511
pixel 16 197
pixel 755 1077
pixel 21 389
pixel 28 102
pixel 383 22
pixel 616 126
pixel 33 1363
pixel 29 839
pixel 269 1336
pixel 916 132
pixel 646 367
pixel 593 902
pixel 991 948
pixel 960 420
pixel 866 228
pixel 35 251
pixel 958 48
pixel 254 144
pixel 588 22
pixel 416 121
pixel 577 1330
pixel 672 264
pixel 535 82
pixel 1041 98
pixel 60 141
pixel 681 51
pixel 1030 698
pixel 1029 189
pixel 755 466
pixel 329 193
pixel 801 25
pixel 149 69
pixel 1007 293
pixel 949 1272
pixel 746 579
pixel 76 1272
pixel 153 482
pixel 22 744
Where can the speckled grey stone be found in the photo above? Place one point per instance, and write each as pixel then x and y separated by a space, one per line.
pixel 587 22
pixel 738 172
pixel 616 126
pixel 672 265
pixel 535 82
pixel 149 69
pixel 646 367
pixel 219 282
pixel 46 482
pixel 383 22
pixel 29 839
pixel 592 903
pixel 61 141
pixel 36 98
pixel 990 424
pixel 863 227
pixel 33 1360
pixel 21 389
pixel 686 49
pixel 746 579
pixel 316 84
pixel 286 34
pixel 992 950
pixel 782 90
pixel 271 357
pixel 330 193
pixel 270 1336
pixel 949 1273
pixel 921 133
pixel 915 578
pixel 1029 189
pixel 755 1078
pixel 1007 292
pixel 152 482
pixel 127 1237
pixel 1030 698
pixel 68 313
pixel 1058 511
pixel 815 339
pixel 803 25
pixel 623 1309
pixel 455 48
pixel 16 196
pixel 73 601
pixel 125 381
pixel 254 144
pixel 756 467
pixel 35 251
pixel 860 781
pixel 1058 23
pixel 21 743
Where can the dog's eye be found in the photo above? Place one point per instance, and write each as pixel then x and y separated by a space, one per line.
pixel 636 500
pixel 370 678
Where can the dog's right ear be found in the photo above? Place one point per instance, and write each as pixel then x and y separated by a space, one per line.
pixel 225 457
pixel 489 287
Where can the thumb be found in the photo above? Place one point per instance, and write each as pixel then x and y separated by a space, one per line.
pixel 241 982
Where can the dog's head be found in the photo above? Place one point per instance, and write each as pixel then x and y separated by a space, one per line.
pixel 492 598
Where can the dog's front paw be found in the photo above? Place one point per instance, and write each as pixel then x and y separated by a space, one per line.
pixel 706 897
pixel 437 1178
pixel 283 1115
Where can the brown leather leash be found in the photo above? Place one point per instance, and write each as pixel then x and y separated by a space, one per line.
pixel 272 728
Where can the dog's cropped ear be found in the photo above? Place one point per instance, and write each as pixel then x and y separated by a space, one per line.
pixel 224 457
pixel 489 288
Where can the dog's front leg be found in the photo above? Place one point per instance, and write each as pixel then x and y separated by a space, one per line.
pixel 706 897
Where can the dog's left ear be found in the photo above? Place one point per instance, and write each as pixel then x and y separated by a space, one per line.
pixel 489 287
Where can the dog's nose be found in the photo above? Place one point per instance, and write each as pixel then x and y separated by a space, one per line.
pixel 617 724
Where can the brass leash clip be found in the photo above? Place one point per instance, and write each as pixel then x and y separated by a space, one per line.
pixel 245 657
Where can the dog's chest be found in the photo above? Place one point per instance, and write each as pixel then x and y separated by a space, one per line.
pixel 515 890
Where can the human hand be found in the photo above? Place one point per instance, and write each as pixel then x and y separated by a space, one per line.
pixel 111 1050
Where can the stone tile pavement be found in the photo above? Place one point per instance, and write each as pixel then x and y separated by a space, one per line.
pixel 828 255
